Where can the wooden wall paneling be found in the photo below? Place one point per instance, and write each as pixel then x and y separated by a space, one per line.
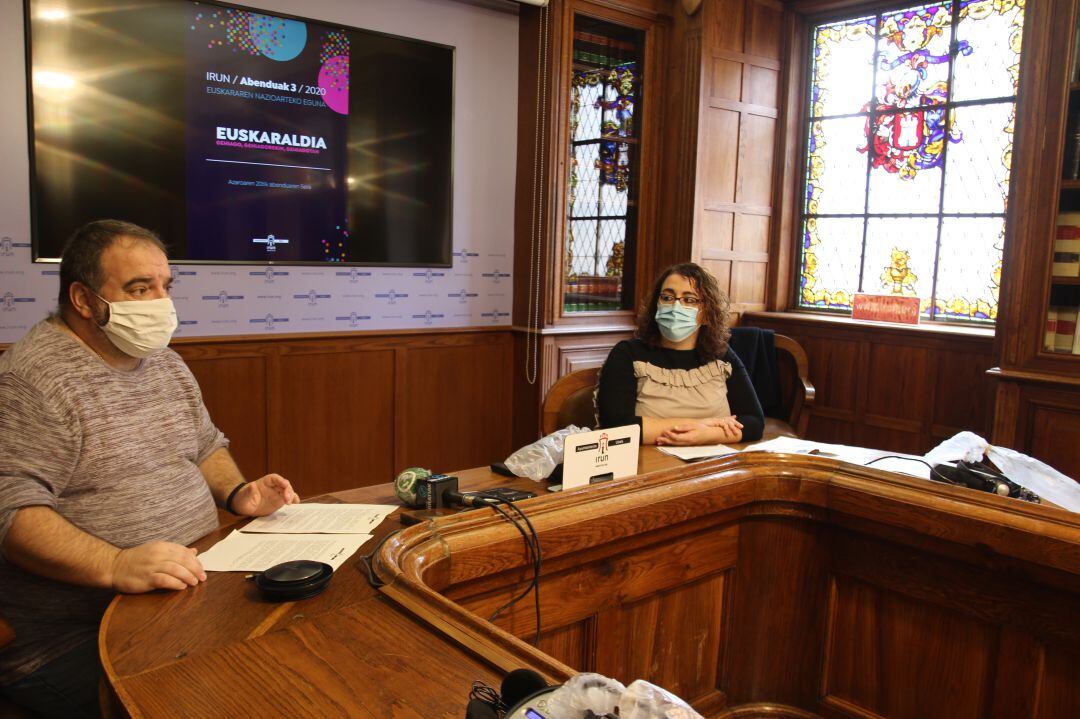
pixel 402 390
pixel 572 644
pixel 963 396
pixel 584 351
pixel 671 639
pixel 456 417
pixel 577 589
pixel 234 391
pixel 681 112
pixel 737 145
pixel 1059 693
pixel 720 142
pixel 788 561
pixel 1019 673
pixel 882 644
pixel 972 636
pixel 337 411
pixel 332 422
pixel 1052 421
pixel 897 390
pixel 892 388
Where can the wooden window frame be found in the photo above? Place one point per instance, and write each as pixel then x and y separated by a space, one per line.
pixel 653 26
pixel 781 287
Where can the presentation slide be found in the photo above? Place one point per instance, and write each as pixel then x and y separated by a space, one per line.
pixel 267 127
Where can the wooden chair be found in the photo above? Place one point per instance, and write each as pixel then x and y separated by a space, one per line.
pixel 796 391
pixel 570 399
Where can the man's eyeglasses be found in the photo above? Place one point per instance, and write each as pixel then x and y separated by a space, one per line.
pixel 666 298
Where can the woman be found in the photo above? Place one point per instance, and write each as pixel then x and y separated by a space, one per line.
pixel 678 378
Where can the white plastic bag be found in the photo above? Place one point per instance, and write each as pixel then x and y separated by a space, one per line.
pixel 643 700
pixel 538 460
pixel 1042 479
pixel 585 692
pixel 604 697
pixel 1028 472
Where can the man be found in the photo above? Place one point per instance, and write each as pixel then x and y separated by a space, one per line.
pixel 109 466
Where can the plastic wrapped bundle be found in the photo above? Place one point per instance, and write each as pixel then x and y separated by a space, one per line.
pixel 538 460
pixel 586 695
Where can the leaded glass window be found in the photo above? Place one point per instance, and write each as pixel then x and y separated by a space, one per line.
pixel 605 96
pixel 909 150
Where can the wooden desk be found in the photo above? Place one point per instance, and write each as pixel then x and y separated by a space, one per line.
pixel 792 585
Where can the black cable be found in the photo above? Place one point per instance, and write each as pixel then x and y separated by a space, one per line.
pixel 933 471
pixel 535 556
pixel 484 693
pixel 539 564
pixel 531 550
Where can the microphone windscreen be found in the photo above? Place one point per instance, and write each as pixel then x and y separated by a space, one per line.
pixel 479 709
pixel 405 485
pixel 519 684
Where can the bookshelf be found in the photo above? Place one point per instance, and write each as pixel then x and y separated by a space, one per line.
pixel 1037 402
pixel 1063 304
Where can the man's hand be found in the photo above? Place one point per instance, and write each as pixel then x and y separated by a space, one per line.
pixel 156 565
pixel 264 496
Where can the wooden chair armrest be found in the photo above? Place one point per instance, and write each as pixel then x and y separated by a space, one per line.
pixel 805 399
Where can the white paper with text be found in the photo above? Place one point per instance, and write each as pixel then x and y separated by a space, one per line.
pixel 322 519
pixel 240 552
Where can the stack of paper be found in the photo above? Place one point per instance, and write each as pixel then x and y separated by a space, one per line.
pixel 329 533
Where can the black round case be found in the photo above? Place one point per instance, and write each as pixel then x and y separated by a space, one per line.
pixel 294 580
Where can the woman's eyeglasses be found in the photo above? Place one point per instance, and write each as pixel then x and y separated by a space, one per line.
pixel 666 298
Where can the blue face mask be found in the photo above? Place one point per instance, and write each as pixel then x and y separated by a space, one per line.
pixel 676 322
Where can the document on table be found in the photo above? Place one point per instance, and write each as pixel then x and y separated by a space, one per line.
pixel 322 519
pixel 705 451
pixel 876 458
pixel 240 552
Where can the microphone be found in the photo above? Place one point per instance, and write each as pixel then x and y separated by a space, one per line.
pixel 519 685
pixel 405 486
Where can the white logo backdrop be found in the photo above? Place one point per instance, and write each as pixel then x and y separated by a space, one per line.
pixel 231 300
pixel 245 299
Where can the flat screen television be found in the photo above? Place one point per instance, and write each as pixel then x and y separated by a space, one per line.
pixel 237 135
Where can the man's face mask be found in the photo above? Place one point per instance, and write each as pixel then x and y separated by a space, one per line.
pixel 140 327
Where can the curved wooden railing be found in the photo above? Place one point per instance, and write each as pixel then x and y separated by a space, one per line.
pixel 802 534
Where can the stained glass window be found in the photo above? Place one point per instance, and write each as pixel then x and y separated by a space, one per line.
pixel 909 151
pixel 605 101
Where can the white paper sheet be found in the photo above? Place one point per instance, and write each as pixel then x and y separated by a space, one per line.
pixel 241 552
pixel 322 519
pixel 896 462
pixel 690 454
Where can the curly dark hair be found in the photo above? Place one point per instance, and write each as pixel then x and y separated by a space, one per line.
pixel 712 339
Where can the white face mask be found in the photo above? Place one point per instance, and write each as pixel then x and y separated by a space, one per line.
pixel 140 327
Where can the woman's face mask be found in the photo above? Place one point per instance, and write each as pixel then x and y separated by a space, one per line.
pixel 676 322
pixel 140 327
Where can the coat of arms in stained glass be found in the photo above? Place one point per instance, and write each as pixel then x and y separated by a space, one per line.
pixel 909 151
